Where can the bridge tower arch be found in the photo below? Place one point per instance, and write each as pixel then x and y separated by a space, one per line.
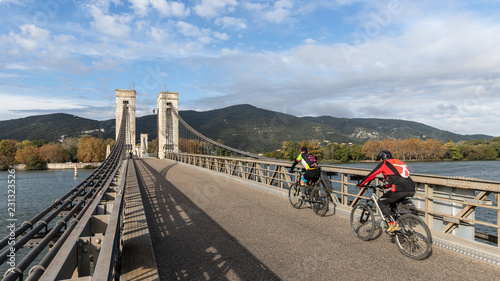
pixel 126 98
pixel 168 123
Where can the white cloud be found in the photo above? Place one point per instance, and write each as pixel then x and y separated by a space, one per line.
pixel 116 26
pixel 221 36
pixel 16 66
pixel 140 7
pixel 15 2
pixel 176 9
pixel 230 22
pixel 280 12
pixel 203 35
pixel 214 8
pixel 30 38
pixel 165 8
pixel 277 12
pixel 190 30
pixel 159 35
pixel 310 41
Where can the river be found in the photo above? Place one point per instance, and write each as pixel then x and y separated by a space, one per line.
pixel 34 191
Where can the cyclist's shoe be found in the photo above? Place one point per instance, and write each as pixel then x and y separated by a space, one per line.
pixel 393 227
pixel 302 197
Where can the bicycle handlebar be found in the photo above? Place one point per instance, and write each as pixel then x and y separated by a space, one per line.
pixel 369 185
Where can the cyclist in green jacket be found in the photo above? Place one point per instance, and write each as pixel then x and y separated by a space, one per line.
pixel 313 170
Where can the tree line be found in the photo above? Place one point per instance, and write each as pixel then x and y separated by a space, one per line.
pixel 36 154
pixel 408 149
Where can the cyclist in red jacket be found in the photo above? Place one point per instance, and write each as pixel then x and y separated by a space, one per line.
pixel 399 181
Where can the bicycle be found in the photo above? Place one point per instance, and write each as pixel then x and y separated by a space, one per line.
pixel 413 238
pixel 316 195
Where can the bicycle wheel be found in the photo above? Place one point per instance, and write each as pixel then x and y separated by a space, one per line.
pixel 363 221
pixel 319 201
pixel 294 196
pixel 414 237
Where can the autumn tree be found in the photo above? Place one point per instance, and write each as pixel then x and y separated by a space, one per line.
pixel 91 149
pixel 313 147
pixel 7 153
pixel 371 149
pixel 432 149
pixel 53 153
pixel 30 157
pixel 412 148
pixel 392 146
pixel 290 150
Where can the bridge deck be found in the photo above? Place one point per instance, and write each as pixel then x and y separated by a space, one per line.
pixel 206 227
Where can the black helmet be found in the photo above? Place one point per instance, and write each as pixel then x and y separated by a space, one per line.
pixel 384 154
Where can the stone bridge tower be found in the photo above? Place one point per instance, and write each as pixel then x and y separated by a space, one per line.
pixel 126 98
pixel 168 123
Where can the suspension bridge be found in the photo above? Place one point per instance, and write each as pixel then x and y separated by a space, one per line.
pixel 196 209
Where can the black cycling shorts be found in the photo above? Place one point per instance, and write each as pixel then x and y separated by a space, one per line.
pixel 312 174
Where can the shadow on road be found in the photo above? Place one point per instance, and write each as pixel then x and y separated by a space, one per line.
pixel 188 244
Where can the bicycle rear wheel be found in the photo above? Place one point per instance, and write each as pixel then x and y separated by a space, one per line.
pixel 414 238
pixel 294 196
pixel 319 201
pixel 363 221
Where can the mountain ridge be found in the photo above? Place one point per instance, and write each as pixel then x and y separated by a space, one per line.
pixel 244 127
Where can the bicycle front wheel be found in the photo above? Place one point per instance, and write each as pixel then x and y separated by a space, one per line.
pixel 414 238
pixel 319 201
pixel 362 221
pixel 294 196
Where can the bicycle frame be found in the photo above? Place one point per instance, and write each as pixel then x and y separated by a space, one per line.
pixel 413 242
pixel 374 201
pixel 317 196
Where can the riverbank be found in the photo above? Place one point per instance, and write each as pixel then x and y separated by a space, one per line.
pixel 63 166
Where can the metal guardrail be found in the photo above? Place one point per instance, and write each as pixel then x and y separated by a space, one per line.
pixel 76 208
pixel 448 204
pixel 92 248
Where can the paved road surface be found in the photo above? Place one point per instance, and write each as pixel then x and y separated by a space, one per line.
pixel 206 227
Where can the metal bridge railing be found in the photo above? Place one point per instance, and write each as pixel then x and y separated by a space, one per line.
pixel 449 205
pixel 46 231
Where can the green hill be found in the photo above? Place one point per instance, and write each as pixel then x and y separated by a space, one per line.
pixel 54 127
pixel 364 129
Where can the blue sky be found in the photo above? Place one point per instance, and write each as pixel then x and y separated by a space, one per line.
pixel 434 62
